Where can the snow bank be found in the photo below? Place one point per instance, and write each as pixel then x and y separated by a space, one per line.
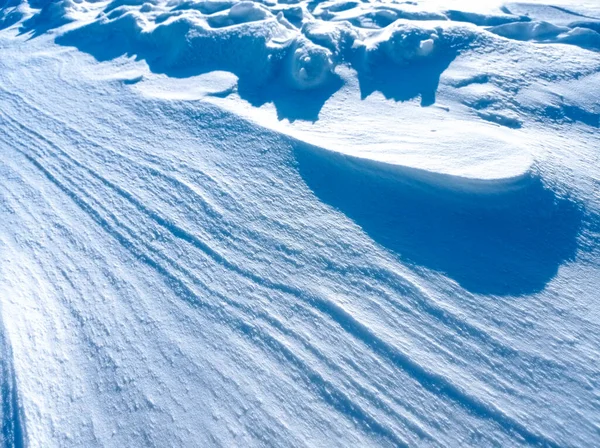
pixel 528 30
pixel 296 55
pixel 293 45
pixel 582 37
pixel 258 42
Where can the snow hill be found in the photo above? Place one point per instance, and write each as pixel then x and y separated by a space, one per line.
pixel 299 223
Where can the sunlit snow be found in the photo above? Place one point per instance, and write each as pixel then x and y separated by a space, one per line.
pixel 299 223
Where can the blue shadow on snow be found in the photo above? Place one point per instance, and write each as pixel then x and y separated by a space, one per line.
pixel 232 52
pixel 506 240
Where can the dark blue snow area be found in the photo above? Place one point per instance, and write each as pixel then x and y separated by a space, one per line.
pixel 13 430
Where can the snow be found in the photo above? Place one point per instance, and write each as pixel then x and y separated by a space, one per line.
pixel 299 223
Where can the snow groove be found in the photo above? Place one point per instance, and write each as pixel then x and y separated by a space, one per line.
pixel 276 348
pixel 397 284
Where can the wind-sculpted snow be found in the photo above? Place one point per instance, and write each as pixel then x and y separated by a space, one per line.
pixel 317 62
pixel 299 224
pixel 279 50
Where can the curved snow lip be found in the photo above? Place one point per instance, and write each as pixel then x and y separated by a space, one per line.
pixel 500 237
pixel 460 154
pixel 439 181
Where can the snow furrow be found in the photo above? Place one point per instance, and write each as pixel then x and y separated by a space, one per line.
pixel 314 380
pixel 427 379
pixel 422 303
pixel 177 279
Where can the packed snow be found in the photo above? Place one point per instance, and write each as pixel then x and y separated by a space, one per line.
pixel 299 223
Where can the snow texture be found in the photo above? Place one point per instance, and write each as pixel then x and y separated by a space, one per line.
pixel 299 223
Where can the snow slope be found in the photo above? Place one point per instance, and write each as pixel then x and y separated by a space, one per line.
pixel 299 223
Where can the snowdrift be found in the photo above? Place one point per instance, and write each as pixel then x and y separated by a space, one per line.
pixel 299 223
pixel 493 237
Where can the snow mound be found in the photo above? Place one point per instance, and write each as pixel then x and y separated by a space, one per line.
pixel 242 12
pixel 309 60
pixel 568 15
pixel 310 65
pixel 233 37
pixel 402 43
pixel 299 57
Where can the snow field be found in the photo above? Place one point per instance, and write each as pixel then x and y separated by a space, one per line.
pixel 295 224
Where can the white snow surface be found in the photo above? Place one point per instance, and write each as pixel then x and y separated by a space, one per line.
pixel 341 223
